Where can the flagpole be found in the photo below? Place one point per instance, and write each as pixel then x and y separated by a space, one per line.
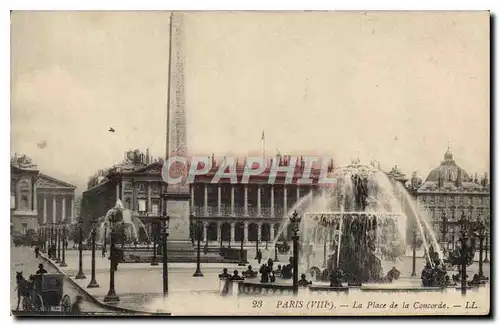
pixel 263 144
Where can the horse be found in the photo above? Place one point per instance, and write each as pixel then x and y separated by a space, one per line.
pixel 24 288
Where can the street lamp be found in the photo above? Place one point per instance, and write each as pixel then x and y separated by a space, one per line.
pixel 63 262
pixel 256 247
pixel 198 272
pixel 154 233
pixel 114 218
pixel 42 236
pixel 58 242
pixel 444 227
pixel 295 221
pixel 486 247
pixel 165 219
pixel 414 252
pixel 324 251
pixel 242 234
pixel 93 283
pixel 481 228
pixel 466 250
pixel 80 275
pixel 105 239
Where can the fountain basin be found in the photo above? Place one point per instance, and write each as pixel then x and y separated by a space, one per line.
pixel 318 288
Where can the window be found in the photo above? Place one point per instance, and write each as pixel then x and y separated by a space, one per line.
pixel 141 203
pixel 24 227
pixel 154 208
pixel 127 203
pixel 24 202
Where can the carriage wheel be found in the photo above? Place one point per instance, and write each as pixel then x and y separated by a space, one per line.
pixel 66 303
pixel 26 304
pixel 38 304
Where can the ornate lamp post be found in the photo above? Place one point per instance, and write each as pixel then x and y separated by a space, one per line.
pixel 324 253
pixel 465 250
pixel 256 247
pixel 123 235
pixel 199 225
pixel 53 241
pixel 154 229
pixel 104 241
pixel 114 218
pixel 444 228
pixel 49 248
pixel 80 275
pixel 93 283
pixel 414 253
pixel 63 261
pixel 486 238
pixel 242 234
pixel 58 242
pixel 165 231
pixel 42 237
pixel 295 221
pixel 481 228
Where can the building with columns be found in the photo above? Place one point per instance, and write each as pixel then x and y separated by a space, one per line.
pixel 449 192
pixel 253 210
pixel 37 198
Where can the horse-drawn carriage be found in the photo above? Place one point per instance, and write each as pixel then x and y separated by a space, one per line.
pixel 45 293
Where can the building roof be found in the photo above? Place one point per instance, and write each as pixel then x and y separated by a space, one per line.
pixel 445 177
pixel 45 181
pixel 448 170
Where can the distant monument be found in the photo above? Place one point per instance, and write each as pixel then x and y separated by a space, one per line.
pixel 178 196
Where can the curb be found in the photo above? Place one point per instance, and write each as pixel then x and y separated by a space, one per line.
pixel 91 298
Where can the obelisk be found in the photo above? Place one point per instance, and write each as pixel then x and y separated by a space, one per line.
pixel 177 201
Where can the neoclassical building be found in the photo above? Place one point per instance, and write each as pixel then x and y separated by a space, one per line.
pixel 37 198
pixel 253 210
pixel 449 192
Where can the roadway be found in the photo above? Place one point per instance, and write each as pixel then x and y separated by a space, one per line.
pixel 23 259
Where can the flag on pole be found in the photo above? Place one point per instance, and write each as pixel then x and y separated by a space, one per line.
pixel 263 135
pixel 263 138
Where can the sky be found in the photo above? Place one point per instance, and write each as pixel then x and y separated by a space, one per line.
pixel 394 87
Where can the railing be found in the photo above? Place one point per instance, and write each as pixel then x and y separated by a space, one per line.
pixel 225 210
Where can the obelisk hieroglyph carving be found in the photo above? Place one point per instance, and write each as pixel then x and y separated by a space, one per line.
pixel 177 203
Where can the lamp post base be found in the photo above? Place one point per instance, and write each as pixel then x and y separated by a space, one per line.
pixel 198 273
pixel 483 278
pixel 93 284
pixel 111 297
pixel 80 276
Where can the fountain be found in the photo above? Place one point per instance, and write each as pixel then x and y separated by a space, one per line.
pixel 131 226
pixel 364 218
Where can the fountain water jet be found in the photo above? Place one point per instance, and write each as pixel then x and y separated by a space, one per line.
pixel 368 212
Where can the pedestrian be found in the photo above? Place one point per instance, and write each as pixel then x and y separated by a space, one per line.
pixel 75 308
pixel 41 270
pixel 259 256
pixel 37 252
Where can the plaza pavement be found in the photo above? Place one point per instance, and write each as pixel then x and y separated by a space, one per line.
pixel 138 285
